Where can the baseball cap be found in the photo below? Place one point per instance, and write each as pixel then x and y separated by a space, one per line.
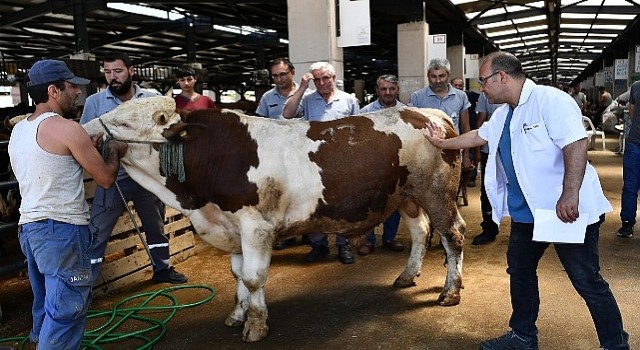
pixel 47 71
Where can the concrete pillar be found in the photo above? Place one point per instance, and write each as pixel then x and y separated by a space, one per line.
pixel 313 35
pixel 412 57
pixel 455 55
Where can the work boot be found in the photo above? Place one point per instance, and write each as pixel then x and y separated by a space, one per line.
pixel 345 255
pixel 509 341
pixel 483 238
pixel 169 275
pixel 626 231
pixel 317 252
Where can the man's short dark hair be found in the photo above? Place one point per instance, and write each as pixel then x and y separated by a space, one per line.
pixel 184 71
pixel 40 94
pixel 284 61
pixel 113 56
pixel 601 88
pixel 506 62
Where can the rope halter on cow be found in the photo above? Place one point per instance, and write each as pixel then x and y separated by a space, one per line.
pixel 171 155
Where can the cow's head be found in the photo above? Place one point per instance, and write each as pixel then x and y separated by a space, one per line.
pixel 138 120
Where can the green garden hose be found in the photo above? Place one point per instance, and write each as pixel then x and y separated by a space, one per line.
pixel 149 329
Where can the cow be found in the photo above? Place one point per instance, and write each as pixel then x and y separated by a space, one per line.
pixel 248 182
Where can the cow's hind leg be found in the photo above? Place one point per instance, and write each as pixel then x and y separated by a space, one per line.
pixel 418 225
pixel 452 239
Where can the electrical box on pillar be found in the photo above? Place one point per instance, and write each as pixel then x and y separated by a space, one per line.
pixel 354 23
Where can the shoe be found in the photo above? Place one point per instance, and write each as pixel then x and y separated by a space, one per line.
pixel 284 244
pixel 394 245
pixel 509 341
pixel 169 275
pixel 366 249
pixel 626 231
pixel 483 238
pixel 317 252
pixel 345 255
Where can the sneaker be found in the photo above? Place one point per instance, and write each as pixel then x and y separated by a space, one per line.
pixel 317 252
pixel 169 275
pixel 509 341
pixel 626 231
pixel 284 244
pixel 345 255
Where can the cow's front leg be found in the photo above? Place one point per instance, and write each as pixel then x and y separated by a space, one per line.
pixel 239 314
pixel 418 227
pixel 256 259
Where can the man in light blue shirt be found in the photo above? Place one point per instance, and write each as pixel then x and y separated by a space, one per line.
pixel 272 102
pixel 107 206
pixel 324 104
pixel 443 96
pixel 387 90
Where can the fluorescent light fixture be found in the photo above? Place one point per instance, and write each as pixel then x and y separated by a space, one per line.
pixel 145 10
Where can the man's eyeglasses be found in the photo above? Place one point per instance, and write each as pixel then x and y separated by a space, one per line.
pixel 483 80
pixel 280 75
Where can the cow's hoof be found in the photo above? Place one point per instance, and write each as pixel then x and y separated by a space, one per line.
pixel 256 333
pixel 233 322
pixel 449 299
pixel 404 283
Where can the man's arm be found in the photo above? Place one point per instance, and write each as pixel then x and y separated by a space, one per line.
pixel 293 103
pixel 632 112
pixel 82 149
pixel 435 136
pixel 575 162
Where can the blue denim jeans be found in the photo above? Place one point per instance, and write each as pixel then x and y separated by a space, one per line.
pixel 631 181
pixel 581 262
pixel 389 229
pixel 107 206
pixel 60 274
pixel 321 239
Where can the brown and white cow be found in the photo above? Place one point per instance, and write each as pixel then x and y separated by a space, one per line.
pixel 251 181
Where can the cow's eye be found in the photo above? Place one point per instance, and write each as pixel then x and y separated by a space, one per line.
pixel 125 125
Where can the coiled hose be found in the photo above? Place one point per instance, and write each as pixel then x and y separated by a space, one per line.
pixel 109 332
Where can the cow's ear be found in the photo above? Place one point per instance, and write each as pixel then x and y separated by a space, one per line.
pixel 183 131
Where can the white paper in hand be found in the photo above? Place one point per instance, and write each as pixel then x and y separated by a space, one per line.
pixel 548 228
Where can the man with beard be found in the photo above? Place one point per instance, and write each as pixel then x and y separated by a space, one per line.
pixel 324 104
pixel 107 205
pixel 443 96
pixel 538 164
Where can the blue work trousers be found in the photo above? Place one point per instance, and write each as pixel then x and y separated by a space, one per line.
pixel 320 239
pixel 389 229
pixel 581 262
pixel 107 206
pixel 58 260
pixel 631 181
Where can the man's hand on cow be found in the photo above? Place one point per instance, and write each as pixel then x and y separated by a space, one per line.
pixel 119 147
pixel 96 140
pixel 432 133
